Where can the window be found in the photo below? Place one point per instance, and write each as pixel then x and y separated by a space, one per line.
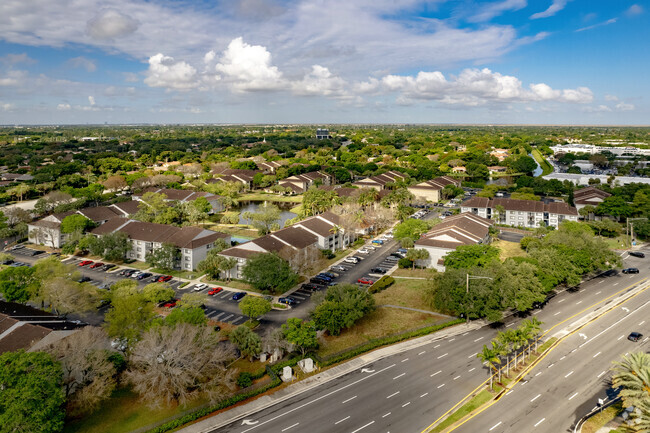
pixel 187 266
pixel 187 250
pixel 139 249
pixel 208 246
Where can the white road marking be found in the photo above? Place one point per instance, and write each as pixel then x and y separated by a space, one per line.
pixel 540 421
pixel 406 404
pixel 398 376
pixel 601 373
pixel 435 347
pixel 464 334
pixel 361 428
pixel 509 392
pixel 579 302
pixel 424 395
pixel 538 373
pixel 478 339
pixel 495 425
pixel 573 396
pixel 601 281
pixel 291 426
pixel 524 382
pixel 598 293
pixel 473 355
pixel 536 397
pixel 642 322
pixel 615 323
pixel 472 369
pixel 562 357
pixel 443 355
pixel 537 312
pixel 557 313
pixel 561 300
pixel 440 386
pixel 393 395
pixel 457 377
pixel 422 353
pixel 439 371
pixel 385 415
pixel 551 365
pixel 451 340
pixel 341 420
pixel 597 354
pixel 569 374
pixel 509 325
pixel 620 337
pixel 615 284
pixel 349 399
pixel 404 360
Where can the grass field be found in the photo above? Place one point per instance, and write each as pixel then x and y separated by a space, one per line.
pixel 380 323
pixel 404 293
pixel 235 230
pixel 617 243
pixel 235 284
pixel 546 167
pixel 593 424
pixel 260 196
pixel 412 273
pixel 508 249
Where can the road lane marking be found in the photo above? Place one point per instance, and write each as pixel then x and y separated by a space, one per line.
pixel 569 374
pixel 509 325
pixel 393 395
pixel 496 425
pixel 550 365
pixel 579 302
pixel 422 353
pixel 471 369
pixel 615 323
pixel 341 420
pixel 509 392
pixel 540 421
pixel 557 313
pixel 439 371
pixel 284 414
pixel 620 337
pixel 291 426
pixel 349 399
pixel 478 339
pixel 536 397
pixel 601 281
pixel 562 357
pixel 406 404
pixel 437 346
pixel 538 373
pixel 361 428
pixel 615 284
pixel 424 395
pixel 451 340
pixel 561 300
pixel 473 355
pixel 440 386
pixel 443 355
pixel 573 396
pixel 601 373
pixel 464 334
pixel 598 293
pixel 642 322
pixel 398 376
pixel 404 360
pixel 456 377
pixel 597 354
pixel 385 415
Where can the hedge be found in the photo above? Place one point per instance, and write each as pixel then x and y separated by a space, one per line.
pixel 381 284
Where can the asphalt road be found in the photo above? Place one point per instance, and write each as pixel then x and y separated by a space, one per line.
pixel 407 392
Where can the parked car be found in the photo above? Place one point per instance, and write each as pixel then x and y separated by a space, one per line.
pixel 288 300
pixel 363 251
pixel 392 258
pixel 339 268
pixel 316 280
pixel 200 286
pixel 7 262
pixel 311 286
pixel 126 272
pixel 85 263
pixel 388 235
pixel 83 279
pixel 144 275
pixel 105 286
pixel 402 250
pixel 635 336
pixel 136 274
pixel 170 304
pixel 164 278
pixel 378 270
pixel 364 280
pixel 351 260
pixel 637 254
pixel 96 265
pixel 378 242
pixel 214 291
pixel 328 274
pixel 108 267
pixel 16 247
pixel 34 252
pixel 369 248
pixel 237 296
pixel 630 271
pixel 397 255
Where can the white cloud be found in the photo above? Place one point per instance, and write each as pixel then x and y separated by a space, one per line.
pixel 554 8
pixel 14 59
pixel 91 100
pixel 131 77
pixel 110 24
pixel 622 106
pixel 82 62
pixel 248 68
pixel 634 10
pixel 6 106
pixel 580 95
pixel 597 109
pixel 63 107
pixel 611 98
pixel 492 10
pixel 604 23
pixel 320 82
pixel 164 72
pixel 13 78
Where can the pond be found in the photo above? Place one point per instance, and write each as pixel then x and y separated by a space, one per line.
pixel 254 206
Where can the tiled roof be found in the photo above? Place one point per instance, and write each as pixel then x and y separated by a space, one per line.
pixel 180 194
pixel 560 208
pixel 437 183
pixel 99 213
pixel 463 229
pixel 127 208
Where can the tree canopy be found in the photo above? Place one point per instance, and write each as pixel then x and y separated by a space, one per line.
pixel 268 272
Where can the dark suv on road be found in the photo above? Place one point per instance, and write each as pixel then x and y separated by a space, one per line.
pixel 637 254
pixel 630 271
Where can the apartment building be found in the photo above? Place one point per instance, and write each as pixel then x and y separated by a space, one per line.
pixel 524 213
pixel 430 190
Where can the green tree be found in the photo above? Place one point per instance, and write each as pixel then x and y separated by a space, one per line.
pixel 248 342
pixel 633 375
pixel 490 357
pixel 615 206
pixel 410 229
pixel 31 395
pixel 157 292
pixel 164 257
pixel 214 264
pixel 342 306
pixel 467 256
pixel 523 164
pixel 415 254
pixel 301 334
pixel 75 223
pixel 268 272
pixel 265 219
pixel 254 307
pixel 317 201
pixel 130 313
pixel 15 283
pixel 186 314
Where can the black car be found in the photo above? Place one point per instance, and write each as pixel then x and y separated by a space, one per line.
pixel 610 273
pixel 127 272
pixel 144 275
pixel 288 300
pixel 35 252
pixel 378 270
pixel 310 286
pixel 328 274
pixel 324 277
pixel 635 336
pixel 83 279
pixel 320 281
pixel 637 254
pixel 108 267
pixel 7 262
pixel 630 271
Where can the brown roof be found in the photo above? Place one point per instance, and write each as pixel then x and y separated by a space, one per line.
pixel 589 195
pixel 520 205
pixel 99 213
pixel 437 183
pixel 130 207
pixel 238 252
pixel 465 229
pixel 22 337
pixel 180 194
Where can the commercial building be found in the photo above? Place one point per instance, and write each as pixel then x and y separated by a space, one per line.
pixel 524 213
pixel 591 149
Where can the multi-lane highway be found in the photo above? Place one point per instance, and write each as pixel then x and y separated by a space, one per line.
pixel 407 391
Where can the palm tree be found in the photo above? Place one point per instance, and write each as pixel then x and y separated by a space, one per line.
pixel 536 327
pixel 517 342
pixel 526 334
pixel 491 358
pixel 506 348
pixel 501 350
pixel 633 375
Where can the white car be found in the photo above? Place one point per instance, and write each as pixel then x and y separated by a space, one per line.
pixel 388 235
pixel 351 260
pixel 135 274
pixel 363 251
pixel 369 247
pixel 200 286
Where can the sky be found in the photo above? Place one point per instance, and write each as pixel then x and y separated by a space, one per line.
pixel 325 61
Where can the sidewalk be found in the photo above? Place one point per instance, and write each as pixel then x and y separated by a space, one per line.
pixel 230 415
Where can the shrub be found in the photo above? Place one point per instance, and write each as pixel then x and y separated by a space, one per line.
pixel 244 380
pixel 381 284
pixel 328 254
pixel 405 263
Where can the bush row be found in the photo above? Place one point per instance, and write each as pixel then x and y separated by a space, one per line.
pixel 381 284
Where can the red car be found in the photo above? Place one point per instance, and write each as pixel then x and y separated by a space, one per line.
pixel 164 278
pixel 215 291
pixel 170 304
pixel 96 265
pixel 365 281
pixel 85 263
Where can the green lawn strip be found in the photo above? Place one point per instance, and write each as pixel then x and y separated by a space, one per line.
pixel 477 401
pixel 593 424
pixel 617 243
pixel 138 265
pixel 235 284
pixel 175 273
pixel 546 167
pixel 258 196
pixel 296 209
pixel 242 230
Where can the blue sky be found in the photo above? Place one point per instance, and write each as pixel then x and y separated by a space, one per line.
pixel 325 61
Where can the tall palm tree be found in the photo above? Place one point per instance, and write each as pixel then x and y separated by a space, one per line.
pixel 501 350
pixel 633 376
pixel 536 328
pixel 504 339
pixel 517 342
pixel 491 358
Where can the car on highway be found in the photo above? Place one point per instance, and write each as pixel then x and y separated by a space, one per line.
pixel 215 291
pixel 610 273
pixel 338 268
pixel 364 280
pixel 378 270
pixel 164 278
pixel 353 259
pixel 635 336
pixel 144 275
pixel 630 271
pixel 237 296
pixel 96 265
pixel 288 300
pixel 200 286
pixel 85 263
pixel 637 254
pixel 108 267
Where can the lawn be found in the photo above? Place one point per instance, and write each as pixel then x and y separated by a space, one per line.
pixel 546 167
pixel 123 413
pixel 404 293
pixel 412 273
pixel 380 323
pixel 617 243
pixel 260 196
pixel 188 275
pixel 508 249
pixel 235 284
pixel 242 230
pixel 593 424
pixel 296 209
